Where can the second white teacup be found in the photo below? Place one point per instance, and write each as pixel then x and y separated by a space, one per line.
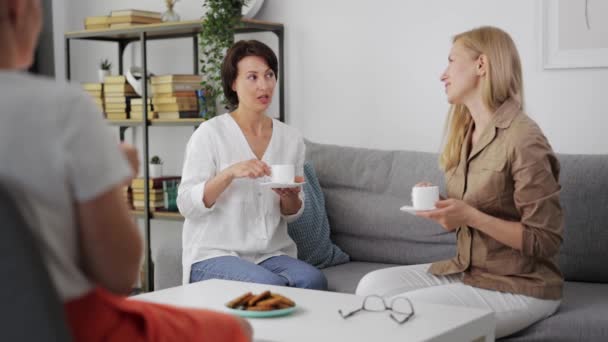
pixel 282 173
pixel 424 197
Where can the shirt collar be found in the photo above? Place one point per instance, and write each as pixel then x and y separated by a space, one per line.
pixel 505 114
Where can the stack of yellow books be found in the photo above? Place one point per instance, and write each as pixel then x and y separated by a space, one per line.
pixel 96 92
pixel 132 17
pixel 137 108
pixel 155 188
pixel 174 96
pixel 117 93
pixel 97 23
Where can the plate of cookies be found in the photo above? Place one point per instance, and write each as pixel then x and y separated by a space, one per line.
pixel 265 304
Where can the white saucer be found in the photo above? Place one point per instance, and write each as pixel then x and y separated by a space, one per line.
pixel 279 185
pixel 412 210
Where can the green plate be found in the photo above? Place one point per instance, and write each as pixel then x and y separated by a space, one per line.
pixel 262 314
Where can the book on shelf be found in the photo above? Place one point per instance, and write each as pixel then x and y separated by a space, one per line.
pixel 117 116
pixel 156 196
pixel 175 87
pixel 177 115
pixel 96 23
pixel 139 205
pixel 115 110
pixel 118 88
pixel 176 78
pixel 118 99
pixel 116 107
pixel 180 94
pixel 175 100
pixel 139 101
pixel 176 107
pixel 135 12
pixel 140 108
pixel 119 93
pixel 152 191
pixel 138 115
pixel 116 79
pixel 92 86
pixel 97 20
pixel 154 183
pixel 133 19
pixel 125 25
pixel 96 27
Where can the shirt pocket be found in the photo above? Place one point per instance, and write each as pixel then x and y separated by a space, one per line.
pixel 488 182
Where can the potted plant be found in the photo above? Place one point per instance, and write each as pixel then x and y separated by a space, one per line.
pixel 155 168
pixel 216 36
pixel 104 69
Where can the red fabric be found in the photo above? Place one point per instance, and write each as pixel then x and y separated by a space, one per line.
pixel 103 316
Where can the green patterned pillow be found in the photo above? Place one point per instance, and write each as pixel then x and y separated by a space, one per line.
pixel 311 230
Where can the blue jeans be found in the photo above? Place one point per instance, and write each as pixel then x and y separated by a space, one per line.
pixel 280 270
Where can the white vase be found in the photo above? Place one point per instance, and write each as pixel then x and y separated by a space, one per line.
pixel 155 170
pixel 102 74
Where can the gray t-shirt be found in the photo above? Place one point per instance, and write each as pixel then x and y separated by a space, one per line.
pixel 55 151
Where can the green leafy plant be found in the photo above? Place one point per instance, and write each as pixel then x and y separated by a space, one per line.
pixel 156 160
pixel 216 36
pixel 105 64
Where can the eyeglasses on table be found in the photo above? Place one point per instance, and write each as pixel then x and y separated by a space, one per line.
pixel 401 308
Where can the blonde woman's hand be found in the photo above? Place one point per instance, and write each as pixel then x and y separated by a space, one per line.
pixel 450 213
pixel 253 168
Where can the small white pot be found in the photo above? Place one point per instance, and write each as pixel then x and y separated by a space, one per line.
pixel 102 74
pixel 155 170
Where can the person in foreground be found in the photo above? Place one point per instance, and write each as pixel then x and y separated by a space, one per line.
pixel 503 196
pixel 67 174
pixel 234 228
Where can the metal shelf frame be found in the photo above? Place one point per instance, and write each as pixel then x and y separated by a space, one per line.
pixel 142 34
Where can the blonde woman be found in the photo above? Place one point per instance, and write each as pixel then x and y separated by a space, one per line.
pixel 502 196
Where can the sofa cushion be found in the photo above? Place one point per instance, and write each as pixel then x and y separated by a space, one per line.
pixel 364 190
pixel 345 278
pixel 311 230
pixel 582 316
pixel 584 199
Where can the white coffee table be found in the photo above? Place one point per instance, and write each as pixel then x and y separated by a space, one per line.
pixel 316 317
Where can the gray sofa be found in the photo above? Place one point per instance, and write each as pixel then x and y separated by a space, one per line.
pixel 364 189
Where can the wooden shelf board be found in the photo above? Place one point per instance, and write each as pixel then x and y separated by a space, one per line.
pixel 159 215
pixel 165 30
pixel 167 215
pixel 177 122
pixel 125 122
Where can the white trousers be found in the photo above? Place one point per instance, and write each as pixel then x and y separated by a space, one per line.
pixel 513 312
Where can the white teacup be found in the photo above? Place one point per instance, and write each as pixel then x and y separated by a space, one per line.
pixel 424 197
pixel 282 173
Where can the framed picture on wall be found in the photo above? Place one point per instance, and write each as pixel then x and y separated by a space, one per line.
pixel 575 33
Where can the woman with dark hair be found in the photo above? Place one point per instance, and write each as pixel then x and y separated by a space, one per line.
pixel 234 228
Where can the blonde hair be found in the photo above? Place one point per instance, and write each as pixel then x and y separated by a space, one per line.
pixel 502 81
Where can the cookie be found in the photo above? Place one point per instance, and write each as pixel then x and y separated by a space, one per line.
pixel 240 300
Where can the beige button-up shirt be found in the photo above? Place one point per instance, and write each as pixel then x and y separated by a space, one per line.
pixel 512 174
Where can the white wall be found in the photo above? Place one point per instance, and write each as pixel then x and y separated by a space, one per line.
pixel 366 73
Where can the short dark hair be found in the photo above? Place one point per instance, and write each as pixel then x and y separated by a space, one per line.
pixel 238 51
